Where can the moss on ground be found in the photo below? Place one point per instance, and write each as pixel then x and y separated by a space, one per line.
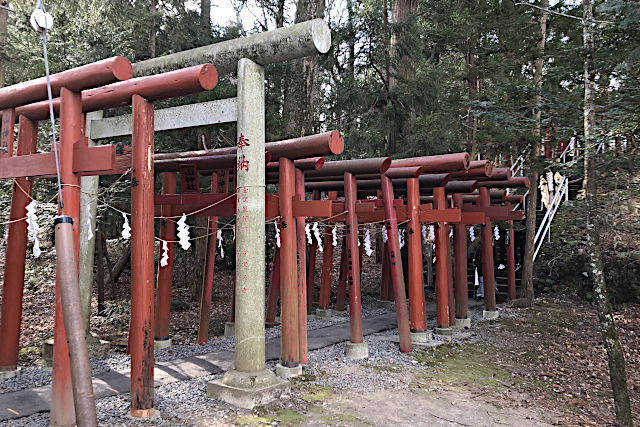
pixel 342 420
pixel 283 417
pixel 316 393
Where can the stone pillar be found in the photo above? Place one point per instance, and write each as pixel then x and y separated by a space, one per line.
pixel 88 197
pixel 250 383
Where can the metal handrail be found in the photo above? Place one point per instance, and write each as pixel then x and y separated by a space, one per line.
pixel 570 146
pixel 545 225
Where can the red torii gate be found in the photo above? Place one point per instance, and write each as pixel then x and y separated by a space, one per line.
pixel 77 159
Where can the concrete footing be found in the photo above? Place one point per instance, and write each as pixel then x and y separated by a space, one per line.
pixel 160 344
pixel 490 315
pixel 421 337
pixel 324 312
pixel 8 373
pixel 358 350
pixel 229 329
pixel 443 331
pixel 286 372
pixel 248 390
pixel 463 323
pixel 389 305
pixel 152 414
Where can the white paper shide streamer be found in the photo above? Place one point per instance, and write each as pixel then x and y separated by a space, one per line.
pixel 401 238
pixel 126 229
pixel 501 267
pixel 432 234
pixel 385 236
pixel 33 227
pixel 334 234
pixel 88 215
pixel 307 232
pixel 316 234
pixel 367 243
pixel 496 233
pixel 275 224
pixel 219 237
pixel 472 234
pixel 183 233
pixel 164 261
pixel 424 234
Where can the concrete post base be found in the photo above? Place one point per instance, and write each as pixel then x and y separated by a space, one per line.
pixel 324 312
pixel 421 337
pixel 288 372
pixel 5 374
pixel 490 315
pixel 358 350
pixel 443 331
pixel 463 323
pixel 248 390
pixel 160 344
pixel 229 329
pixel 389 305
pixel 271 324
pixel 151 414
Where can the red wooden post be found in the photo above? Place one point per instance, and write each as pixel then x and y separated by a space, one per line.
pixel 301 252
pixel 341 292
pixel 16 246
pixel 311 264
pixel 62 407
pixel 8 118
pixel 385 283
pixel 416 283
pixel 488 277
pixel 274 289
pixel 511 259
pixel 460 266
pixel 356 347
pixel 451 298
pixel 442 292
pixel 395 265
pixel 327 263
pixel 207 289
pixel 165 274
pixel 142 285
pixel 289 350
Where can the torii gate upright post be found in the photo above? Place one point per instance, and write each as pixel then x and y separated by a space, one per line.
pixel 250 383
pixel 442 281
pixel 16 244
pixel 460 267
pixel 165 273
pixel 488 275
pixel 511 258
pixel 327 264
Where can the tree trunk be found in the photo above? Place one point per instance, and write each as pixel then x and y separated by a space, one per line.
pixel 298 103
pixel 617 368
pixel 472 120
pixel 401 11
pixel 527 292
pixel 100 272
pixel 152 28
pixel 205 16
pixel 4 19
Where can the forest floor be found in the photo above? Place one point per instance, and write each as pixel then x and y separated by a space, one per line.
pixel 540 366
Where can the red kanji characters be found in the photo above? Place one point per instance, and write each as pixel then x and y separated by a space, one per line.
pixel 243 142
pixel 243 163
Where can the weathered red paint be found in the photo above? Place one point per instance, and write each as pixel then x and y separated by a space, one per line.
pixel 486 236
pixel 442 291
pixel 311 264
pixel 14 266
pixel 165 274
pixel 142 244
pixel 289 349
pixel 301 261
pixel 460 264
pixel 352 263
pixel 416 283
pixel 327 262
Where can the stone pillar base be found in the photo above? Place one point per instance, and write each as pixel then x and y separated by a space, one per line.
pixel 248 390
pixel 229 329
pixel 6 373
pixel 288 372
pixel 421 337
pixel 490 315
pixel 463 323
pixel 160 344
pixel 324 312
pixel 443 331
pixel 358 350
pixel 269 325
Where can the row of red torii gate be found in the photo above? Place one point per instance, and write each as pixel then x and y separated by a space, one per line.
pixel 447 191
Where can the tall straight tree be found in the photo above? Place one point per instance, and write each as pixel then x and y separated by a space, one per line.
pixel 617 365
pixel 534 155
pixel 403 69
pixel 4 20
pixel 298 106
